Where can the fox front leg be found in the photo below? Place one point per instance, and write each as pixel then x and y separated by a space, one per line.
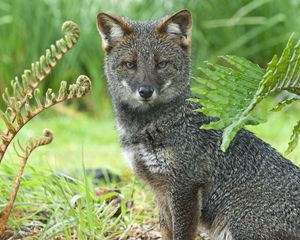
pixel 165 220
pixel 179 211
pixel 165 217
pixel 184 207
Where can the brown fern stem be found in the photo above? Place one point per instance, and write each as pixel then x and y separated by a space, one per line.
pixel 5 213
pixel 36 75
pixel 50 67
pixel 82 81
pixel 78 90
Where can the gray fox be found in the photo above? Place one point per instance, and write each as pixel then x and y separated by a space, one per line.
pixel 249 192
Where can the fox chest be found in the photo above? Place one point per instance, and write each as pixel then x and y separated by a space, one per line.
pixel 148 159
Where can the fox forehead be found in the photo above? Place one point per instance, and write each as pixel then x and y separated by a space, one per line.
pixel 146 42
pixel 144 33
pixel 143 28
pixel 139 50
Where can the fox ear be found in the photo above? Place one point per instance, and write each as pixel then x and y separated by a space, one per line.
pixel 112 29
pixel 178 27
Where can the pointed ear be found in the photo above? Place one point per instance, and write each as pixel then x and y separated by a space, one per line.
pixel 112 29
pixel 178 27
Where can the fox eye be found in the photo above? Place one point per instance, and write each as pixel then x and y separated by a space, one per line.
pixel 162 64
pixel 130 65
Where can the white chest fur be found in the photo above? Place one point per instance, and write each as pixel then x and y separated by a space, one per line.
pixel 144 154
pixel 129 156
pixel 153 160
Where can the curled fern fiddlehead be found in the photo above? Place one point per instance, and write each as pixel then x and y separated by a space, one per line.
pixel 45 139
pixel 23 91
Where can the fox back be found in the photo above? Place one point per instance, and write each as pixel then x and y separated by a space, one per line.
pixel 249 192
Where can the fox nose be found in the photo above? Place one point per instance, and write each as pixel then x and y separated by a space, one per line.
pixel 145 91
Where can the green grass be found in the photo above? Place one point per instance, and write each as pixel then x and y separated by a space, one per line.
pixel 51 204
pixel 74 134
pixel 56 199
pixel 58 205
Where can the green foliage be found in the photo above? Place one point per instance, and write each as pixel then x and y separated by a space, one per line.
pixel 53 205
pixel 231 93
pixel 246 28
pixel 227 93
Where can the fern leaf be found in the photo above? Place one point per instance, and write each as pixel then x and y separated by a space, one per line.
pixel 294 139
pixel 33 144
pixel 22 91
pixel 283 74
pixel 231 93
pixel 77 90
pixel 21 108
pixel 284 103
pixel 40 69
pixel 227 96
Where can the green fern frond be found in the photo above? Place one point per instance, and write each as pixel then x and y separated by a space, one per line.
pixel 231 93
pixel 228 94
pixel 294 139
pixel 34 143
pixel 282 74
pixel 284 103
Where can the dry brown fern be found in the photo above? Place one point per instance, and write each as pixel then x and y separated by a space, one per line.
pixel 24 102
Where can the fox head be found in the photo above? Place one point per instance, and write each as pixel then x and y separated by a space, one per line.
pixel 147 63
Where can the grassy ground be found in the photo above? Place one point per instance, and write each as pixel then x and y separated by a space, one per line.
pixel 79 137
pixel 58 201
pixel 51 205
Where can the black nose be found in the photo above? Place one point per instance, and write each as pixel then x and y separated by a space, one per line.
pixel 146 91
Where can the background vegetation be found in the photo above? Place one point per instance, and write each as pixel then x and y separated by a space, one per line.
pixel 253 29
